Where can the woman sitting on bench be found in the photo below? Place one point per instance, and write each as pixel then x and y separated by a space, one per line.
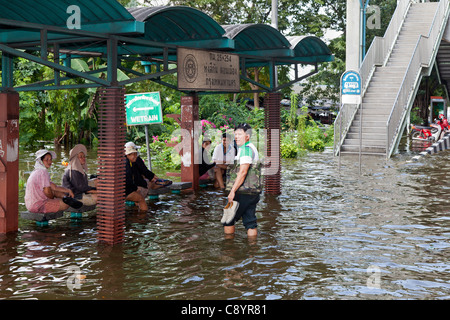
pixel 76 179
pixel 41 194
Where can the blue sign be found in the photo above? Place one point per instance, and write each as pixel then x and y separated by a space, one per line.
pixel 351 83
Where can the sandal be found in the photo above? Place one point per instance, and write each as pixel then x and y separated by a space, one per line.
pixel 163 183
pixel 72 202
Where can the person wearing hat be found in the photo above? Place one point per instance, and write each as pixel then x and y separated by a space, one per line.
pixel 205 164
pixel 41 194
pixel 139 178
pixel 223 155
pixel 76 179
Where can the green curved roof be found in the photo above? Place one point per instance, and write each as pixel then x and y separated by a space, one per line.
pixel 54 12
pixel 104 16
pixel 259 40
pixel 175 24
pixel 144 34
pixel 310 49
pixel 171 25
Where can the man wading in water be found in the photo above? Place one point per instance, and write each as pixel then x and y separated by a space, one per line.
pixel 244 183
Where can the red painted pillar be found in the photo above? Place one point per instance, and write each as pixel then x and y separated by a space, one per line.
pixel 9 162
pixel 273 125
pixel 191 150
pixel 111 165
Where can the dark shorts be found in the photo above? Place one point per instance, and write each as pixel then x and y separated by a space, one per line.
pixel 246 210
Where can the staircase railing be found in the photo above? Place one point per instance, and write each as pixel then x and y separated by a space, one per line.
pixel 342 124
pixel 423 57
pixel 377 55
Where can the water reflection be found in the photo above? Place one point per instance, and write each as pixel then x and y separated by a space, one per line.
pixel 331 234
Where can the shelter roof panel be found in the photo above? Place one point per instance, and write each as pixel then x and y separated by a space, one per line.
pixel 310 49
pixel 256 37
pixel 20 21
pixel 177 23
pixel 54 12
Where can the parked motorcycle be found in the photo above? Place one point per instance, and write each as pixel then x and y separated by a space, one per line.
pixel 423 133
pixel 443 122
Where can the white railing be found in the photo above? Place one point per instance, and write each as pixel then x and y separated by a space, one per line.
pixel 423 57
pixel 342 124
pixel 377 55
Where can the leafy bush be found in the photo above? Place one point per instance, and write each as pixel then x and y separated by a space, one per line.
pixel 288 150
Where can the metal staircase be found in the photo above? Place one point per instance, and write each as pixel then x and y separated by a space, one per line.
pixel 391 73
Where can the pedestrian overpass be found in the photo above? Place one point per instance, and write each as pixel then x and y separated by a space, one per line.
pixel 416 41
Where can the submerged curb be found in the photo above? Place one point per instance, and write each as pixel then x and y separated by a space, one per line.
pixel 441 145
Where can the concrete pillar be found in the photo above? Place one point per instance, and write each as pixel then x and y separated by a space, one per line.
pixel 9 162
pixel 353 35
pixel 111 165
pixel 272 112
pixel 191 152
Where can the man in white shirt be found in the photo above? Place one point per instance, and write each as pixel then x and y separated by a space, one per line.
pixel 223 155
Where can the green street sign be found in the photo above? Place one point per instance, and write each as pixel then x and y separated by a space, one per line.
pixel 143 108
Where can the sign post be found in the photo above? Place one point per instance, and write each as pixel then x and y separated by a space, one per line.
pixel 351 94
pixel 144 109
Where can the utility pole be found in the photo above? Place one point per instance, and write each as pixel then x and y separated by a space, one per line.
pixel 275 25
pixel 353 35
pixel 275 14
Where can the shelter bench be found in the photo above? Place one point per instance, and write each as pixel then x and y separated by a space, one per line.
pixel 175 187
pixel 42 219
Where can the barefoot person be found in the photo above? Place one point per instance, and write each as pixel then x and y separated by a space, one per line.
pixel 41 194
pixel 223 155
pixel 244 183
pixel 138 178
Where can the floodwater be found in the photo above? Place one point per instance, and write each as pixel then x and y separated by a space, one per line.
pixel 331 234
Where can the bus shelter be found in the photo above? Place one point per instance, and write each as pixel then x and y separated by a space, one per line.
pixel 53 33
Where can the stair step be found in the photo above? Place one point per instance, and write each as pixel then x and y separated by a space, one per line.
pixel 380 96
pixel 385 84
pixel 381 154
pixel 367 137
pixel 375 111
pixel 364 150
pixel 366 142
pixel 367 129
pixel 371 119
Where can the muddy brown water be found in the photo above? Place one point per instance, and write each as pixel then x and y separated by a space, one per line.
pixel 331 234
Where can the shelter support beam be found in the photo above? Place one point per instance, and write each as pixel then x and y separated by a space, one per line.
pixel 53 65
pixel 7 71
pixel 190 154
pixel 111 165
pixel 272 155
pixel 9 162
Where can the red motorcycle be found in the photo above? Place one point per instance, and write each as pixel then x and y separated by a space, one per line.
pixel 443 122
pixel 423 133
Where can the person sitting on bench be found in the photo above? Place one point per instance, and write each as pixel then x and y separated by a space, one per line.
pixel 138 178
pixel 41 194
pixel 76 179
pixel 205 165
pixel 223 155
